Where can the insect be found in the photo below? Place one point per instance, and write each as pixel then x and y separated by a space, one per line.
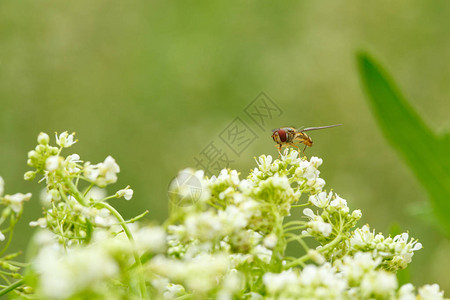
pixel 287 136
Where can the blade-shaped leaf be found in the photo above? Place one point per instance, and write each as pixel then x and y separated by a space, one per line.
pixel 427 154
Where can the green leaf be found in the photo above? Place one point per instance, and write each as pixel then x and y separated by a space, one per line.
pixel 426 153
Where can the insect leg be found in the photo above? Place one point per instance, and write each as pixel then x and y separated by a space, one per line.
pixel 294 145
pixel 304 150
pixel 279 146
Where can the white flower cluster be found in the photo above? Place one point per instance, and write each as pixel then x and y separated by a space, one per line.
pixel 243 221
pixel 15 201
pixel 225 238
pixel 11 208
pixel 71 211
pixel 353 277
pixel 102 173
pixel 71 272
pixel 332 218
pixel 395 253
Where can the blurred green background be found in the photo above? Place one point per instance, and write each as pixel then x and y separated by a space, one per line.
pixel 153 82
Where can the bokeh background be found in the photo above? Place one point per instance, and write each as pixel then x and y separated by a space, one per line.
pixel 153 82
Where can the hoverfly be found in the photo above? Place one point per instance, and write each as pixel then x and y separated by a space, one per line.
pixel 287 136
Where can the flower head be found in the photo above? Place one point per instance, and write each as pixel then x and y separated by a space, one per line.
pixel 16 201
pixel 127 193
pixel 65 139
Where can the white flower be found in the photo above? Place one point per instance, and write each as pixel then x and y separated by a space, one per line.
pixel 2 186
pixel 275 283
pixel 189 187
pixel 65 139
pixel 309 213
pixel 245 186
pixel 340 204
pixel 53 162
pixel 102 217
pixel 406 292
pixel 96 194
pixel 232 283
pixel 262 253
pixel 41 222
pixel 316 256
pixel 264 162
pixel 71 163
pixel 151 239
pixel 315 161
pixel 270 241
pixel 109 169
pixel 2 237
pixel 321 199
pixel 354 268
pixel 173 291
pixel 430 292
pixel 357 214
pixel 233 218
pixel 204 226
pixel 46 197
pixel 361 237
pixel 45 238
pixel 200 273
pixel 127 193
pixel 317 225
pixel 318 184
pixel 325 281
pixel 16 201
pixel 225 176
pixel 103 173
pixel 291 157
pixel 381 283
pixel 63 275
pixel 90 171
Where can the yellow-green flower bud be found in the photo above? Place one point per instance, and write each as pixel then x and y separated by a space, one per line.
pixel 30 175
pixel 43 138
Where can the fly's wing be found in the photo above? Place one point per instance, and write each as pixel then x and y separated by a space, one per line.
pixel 321 127
pixel 284 128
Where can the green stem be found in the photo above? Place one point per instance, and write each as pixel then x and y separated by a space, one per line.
pixel 296 222
pixel 12 223
pixel 304 258
pixel 137 218
pixel 88 189
pixel 300 205
pixel 279 249
pixel 293 228
pixel 129 235
pixel 12 287
pixel 76 193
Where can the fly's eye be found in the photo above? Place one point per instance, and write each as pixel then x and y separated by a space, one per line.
pixel 282 135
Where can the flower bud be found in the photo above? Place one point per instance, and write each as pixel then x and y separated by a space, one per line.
pixel 52 163
pixel 127 193
pixel 40 148
pixel 30 175
pixel 43 138
pixel 33 154
pixel 357 214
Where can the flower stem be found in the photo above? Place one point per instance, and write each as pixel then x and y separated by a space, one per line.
pixel 304 258
pixel 11 287
pixel 129 235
